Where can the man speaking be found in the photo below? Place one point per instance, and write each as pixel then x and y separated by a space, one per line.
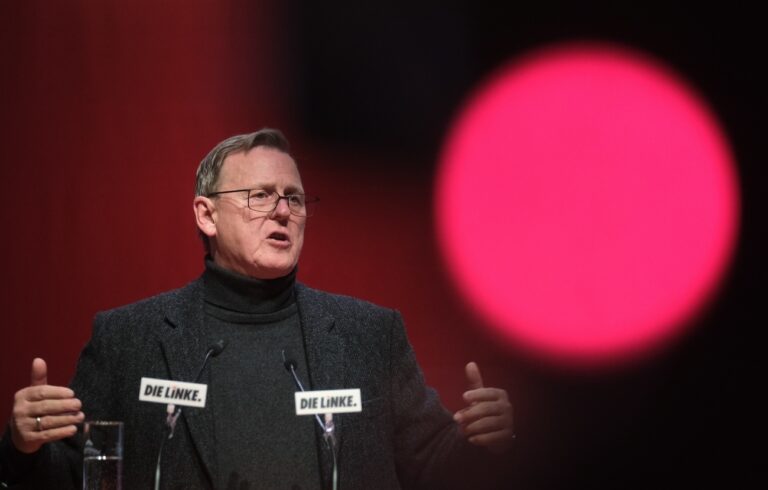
pixel 254 336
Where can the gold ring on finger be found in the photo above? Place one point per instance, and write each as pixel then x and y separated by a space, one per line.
pixel 38 424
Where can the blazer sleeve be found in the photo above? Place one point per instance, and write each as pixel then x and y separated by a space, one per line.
pixel 430 451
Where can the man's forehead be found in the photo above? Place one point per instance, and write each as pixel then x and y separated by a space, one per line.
pixel 262 164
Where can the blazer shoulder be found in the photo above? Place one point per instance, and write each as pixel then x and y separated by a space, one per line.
pixel 339 305
pixel 155 305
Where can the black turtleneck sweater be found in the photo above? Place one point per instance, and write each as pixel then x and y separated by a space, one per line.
pixel 260 442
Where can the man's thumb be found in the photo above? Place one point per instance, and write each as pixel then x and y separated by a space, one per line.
pixel 39 372
pixel 473 376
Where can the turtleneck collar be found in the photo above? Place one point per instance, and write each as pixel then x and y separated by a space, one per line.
pixel 235 292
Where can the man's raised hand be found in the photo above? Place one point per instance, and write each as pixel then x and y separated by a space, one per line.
pixel 487 419
pixel 43 413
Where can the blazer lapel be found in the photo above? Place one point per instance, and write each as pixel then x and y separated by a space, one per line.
pixel 324 345
pixel 185 345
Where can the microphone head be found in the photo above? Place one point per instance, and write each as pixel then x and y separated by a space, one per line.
pixel 290 364
pixel 218 347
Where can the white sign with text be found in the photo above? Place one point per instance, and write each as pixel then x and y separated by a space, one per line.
pixel 176 392
pixel 328 401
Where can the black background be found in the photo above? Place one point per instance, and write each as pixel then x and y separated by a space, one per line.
pixel 388 78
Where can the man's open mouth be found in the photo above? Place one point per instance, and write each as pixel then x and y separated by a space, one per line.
pixel 278 236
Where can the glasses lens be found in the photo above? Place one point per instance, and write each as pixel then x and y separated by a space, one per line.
pixel 263 201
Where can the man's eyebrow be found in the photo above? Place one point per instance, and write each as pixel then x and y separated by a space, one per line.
pixel 289 189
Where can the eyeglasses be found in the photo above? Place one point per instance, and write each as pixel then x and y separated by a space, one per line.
pixel 264 201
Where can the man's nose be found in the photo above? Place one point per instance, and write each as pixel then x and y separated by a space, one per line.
pixel 281 209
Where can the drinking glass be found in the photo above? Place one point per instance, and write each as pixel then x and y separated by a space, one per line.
pixel 103 455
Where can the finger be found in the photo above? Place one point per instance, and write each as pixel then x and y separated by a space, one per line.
pixel 480 410
pixel 473 376
pixel 45 392
pixel 51 434
pixel 54 407
pixel 501 438
pixel 50 422
pixel 24 409
pixel 484 395
pixel 39 373
pixel 486 425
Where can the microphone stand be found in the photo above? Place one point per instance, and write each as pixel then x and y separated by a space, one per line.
pixel 170 422
pixel 327 427
pixel 330 441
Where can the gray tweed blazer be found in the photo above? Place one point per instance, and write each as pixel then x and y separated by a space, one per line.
pixel 403 438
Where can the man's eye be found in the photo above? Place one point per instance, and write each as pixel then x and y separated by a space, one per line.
pixel 260 195
pixel 296 199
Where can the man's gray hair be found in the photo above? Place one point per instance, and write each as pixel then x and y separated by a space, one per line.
pixel 210 167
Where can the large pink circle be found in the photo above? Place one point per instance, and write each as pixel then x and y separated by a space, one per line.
pixel 587 202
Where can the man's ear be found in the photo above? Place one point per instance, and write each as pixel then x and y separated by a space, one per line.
pixel 205 215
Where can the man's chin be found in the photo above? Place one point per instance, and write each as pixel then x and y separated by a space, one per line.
pixel 273 271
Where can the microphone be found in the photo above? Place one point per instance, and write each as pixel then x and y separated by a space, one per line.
pixel 326 427
pixel 214 350
pixel 290 366
pixel 173 411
